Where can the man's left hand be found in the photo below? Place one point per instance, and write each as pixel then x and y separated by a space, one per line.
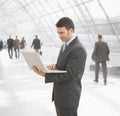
pixel 35 69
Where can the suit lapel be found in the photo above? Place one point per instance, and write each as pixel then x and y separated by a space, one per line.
pixel 62 54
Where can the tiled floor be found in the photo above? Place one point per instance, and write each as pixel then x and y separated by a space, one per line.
pixel 23 93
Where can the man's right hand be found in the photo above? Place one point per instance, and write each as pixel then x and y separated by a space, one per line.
pixel 52 67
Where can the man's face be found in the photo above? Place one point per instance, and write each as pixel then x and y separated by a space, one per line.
pixel 64 34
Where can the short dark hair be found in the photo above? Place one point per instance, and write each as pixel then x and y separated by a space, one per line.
pixel 65 22
pixel 99 36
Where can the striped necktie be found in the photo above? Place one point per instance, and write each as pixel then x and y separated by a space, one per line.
pixel 64 47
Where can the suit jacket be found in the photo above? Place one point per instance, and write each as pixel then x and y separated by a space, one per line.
pixel 67 86
pixel 101 52
pixel 16 44
pixel 10 43
pixel 36 44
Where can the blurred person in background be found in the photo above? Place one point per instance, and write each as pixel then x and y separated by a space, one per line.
pixel 100 55
pixel 16 45
pixel 23 43
pixel 36 44
pixel 1 44
pixel 10 46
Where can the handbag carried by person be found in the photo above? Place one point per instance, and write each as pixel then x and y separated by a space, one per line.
pixel 40 52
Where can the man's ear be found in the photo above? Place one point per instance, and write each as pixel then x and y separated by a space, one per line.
pixel 71 30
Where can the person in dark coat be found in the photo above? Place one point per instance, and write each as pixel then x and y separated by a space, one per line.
pixel 16 45
pixel 1 44
pixel 23 43
pixel 10 47
pixel 100 55
pixel 36 44
pixel 72 57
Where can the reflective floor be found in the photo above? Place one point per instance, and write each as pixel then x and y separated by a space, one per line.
pixel 23 93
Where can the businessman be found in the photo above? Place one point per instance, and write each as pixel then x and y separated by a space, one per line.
pixel 10 46
pixel 36 44
pixel 101 55
pixel 72 57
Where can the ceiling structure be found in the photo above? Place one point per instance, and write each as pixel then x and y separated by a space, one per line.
pixel 38 17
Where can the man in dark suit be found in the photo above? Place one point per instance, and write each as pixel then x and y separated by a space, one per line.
pixel 36 44
pixel 101 55
pixel 10 46
pixel 16 44
pixel 72 58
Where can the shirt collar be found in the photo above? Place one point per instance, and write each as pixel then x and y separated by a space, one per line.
pixel 70 40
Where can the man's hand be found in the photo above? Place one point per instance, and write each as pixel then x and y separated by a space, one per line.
pixel 52 67
pixel 35 69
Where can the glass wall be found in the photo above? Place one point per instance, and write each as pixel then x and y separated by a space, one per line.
pixel 91 17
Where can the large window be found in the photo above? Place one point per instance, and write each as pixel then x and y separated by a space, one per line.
pixel 91 17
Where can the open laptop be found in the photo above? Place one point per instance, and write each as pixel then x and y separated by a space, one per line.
pixel 33 59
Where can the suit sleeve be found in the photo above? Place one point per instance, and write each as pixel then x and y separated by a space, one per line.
pixel 108 50
pixel 94 52
pixel 32 44
pixel 74 67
